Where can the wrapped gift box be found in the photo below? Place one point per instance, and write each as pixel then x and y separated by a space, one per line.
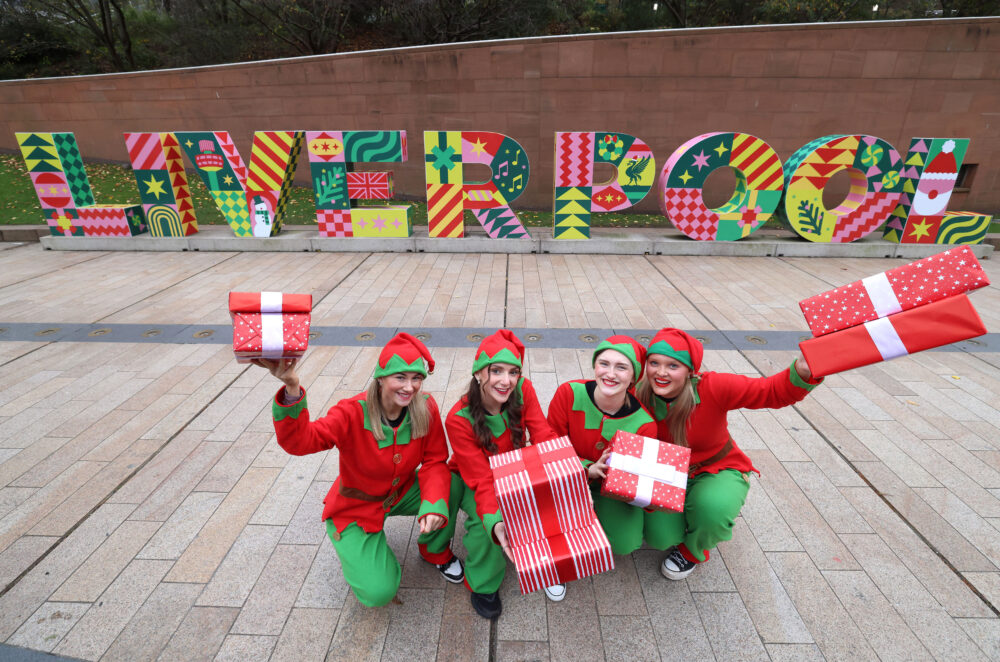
pixel 906 287
pixel 269 325
pixel 915 330
pixel 647 472
pixel 549 515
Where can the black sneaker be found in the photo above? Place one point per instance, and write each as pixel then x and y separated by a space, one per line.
pixel 487 605
pixel 675 566
pixel 452 571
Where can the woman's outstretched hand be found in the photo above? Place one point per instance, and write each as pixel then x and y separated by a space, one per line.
pixel 283 369
pixel 599 469
pixel 802 368
pixel 431 522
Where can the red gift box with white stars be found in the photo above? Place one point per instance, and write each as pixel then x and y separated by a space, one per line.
pixel 269 325
pixel 647 472
pixel 912 285
pixel 915 330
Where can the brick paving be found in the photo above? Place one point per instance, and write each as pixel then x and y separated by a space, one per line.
pixel 147 513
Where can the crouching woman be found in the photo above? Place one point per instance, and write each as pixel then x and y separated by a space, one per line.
pixel 392 462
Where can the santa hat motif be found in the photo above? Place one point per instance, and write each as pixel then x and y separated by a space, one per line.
pixel 404 353
pixel 635 352
pixel 500 347
pixel 679 345
pixel 943 165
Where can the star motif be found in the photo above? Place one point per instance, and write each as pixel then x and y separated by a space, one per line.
pixel 154 187
pixel 189 144
pixel 227 179
pixel 921 230
pixel 721 149
pixel 477 147
pixel 685 177
pixel 701 160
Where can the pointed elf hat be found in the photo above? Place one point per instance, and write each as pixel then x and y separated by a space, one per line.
pixel 679 345
pixel 628 346
pixel 404 353
pixel 500 347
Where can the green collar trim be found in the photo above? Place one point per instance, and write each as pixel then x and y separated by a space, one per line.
pixel 497 423
pixel 401 434
pixel 595 419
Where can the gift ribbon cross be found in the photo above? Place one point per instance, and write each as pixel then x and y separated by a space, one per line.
pixel 648 470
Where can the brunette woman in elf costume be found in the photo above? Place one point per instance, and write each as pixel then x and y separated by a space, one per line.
pixel 492 417
pixel 383 436
pixel 690 410
pixel 591 412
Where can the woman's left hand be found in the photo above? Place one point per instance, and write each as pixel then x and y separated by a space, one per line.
pixel 802 368
pixel 430 523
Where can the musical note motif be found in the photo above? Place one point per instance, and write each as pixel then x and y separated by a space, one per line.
pixel 504 168
pixel 516 157
pixel 515 184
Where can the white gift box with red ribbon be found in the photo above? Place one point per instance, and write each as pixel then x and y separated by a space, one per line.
pixel 647 472
pixel 269 325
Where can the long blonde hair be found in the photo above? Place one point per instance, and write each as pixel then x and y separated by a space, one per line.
pixel 420 415
pixel 680 409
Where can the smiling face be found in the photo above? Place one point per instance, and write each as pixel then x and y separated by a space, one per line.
pixel 398 391
pixel 666 375
pixel 497 381
pixel 614 374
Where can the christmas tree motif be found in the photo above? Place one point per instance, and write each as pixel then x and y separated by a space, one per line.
pixel 811 217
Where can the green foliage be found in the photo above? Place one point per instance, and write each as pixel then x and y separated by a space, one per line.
pixel 811 217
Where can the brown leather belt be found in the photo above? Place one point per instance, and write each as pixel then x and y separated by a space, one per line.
pixel 726 449
pixel 360 495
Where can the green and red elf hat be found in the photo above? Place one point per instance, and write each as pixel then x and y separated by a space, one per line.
pixel 628 346
pixel 404 353
pixel 679 345
pixel 500 347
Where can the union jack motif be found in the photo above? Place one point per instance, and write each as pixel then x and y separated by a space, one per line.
pixel 369 185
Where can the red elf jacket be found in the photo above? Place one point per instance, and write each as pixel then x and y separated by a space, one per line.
pixel 374 475
pixel 472 461
pixel 716 393
pixel 573 413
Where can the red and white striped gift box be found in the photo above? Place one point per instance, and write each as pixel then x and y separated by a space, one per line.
pixel 269 325
pixel 647 472
pixel 549 514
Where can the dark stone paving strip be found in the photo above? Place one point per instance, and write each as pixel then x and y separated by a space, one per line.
pixel 17 654
pixel 222 334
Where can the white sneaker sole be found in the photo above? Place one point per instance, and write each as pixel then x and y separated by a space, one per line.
pixel 556 597
pixel 674 574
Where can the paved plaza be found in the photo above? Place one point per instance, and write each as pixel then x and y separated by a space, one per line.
pixel 146 511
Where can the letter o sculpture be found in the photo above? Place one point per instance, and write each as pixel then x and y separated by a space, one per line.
pixel 876 186
pixel 759 181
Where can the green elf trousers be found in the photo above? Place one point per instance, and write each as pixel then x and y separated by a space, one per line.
pixel 711 505
pixel 485 562
pixel 368 563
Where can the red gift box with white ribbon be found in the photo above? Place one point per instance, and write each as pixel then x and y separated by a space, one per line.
pixel 549 515
pixel 269 325
pixel 909 286
pixel 647 472
pixel 938 323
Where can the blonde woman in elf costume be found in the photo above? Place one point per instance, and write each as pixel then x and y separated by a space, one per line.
pixel 383 436
pixel 690 410
pixel 591 412
pixel 492 417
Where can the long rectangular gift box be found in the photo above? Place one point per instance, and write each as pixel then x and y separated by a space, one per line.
pixel 647 472
pixel 939 323
pixel 269 325
pixel 549 514
pixel 909 286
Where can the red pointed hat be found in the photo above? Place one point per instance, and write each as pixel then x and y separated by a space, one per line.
pixel 404 353
pixel 628 346
pixel 680 345
pixel 500 347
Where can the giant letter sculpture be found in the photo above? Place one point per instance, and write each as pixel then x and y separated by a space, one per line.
pixel 448 195
pixel 60 178
pixel 576 193
pixel 759 182
pixel 163 186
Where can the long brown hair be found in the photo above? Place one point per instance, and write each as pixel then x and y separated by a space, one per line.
pixel 513 407
pixel 679 411
pixel 420 415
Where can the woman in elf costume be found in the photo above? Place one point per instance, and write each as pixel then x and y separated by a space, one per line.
pixel 690 410
pixel 492 417
pixel 383 436
pixel 591 412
